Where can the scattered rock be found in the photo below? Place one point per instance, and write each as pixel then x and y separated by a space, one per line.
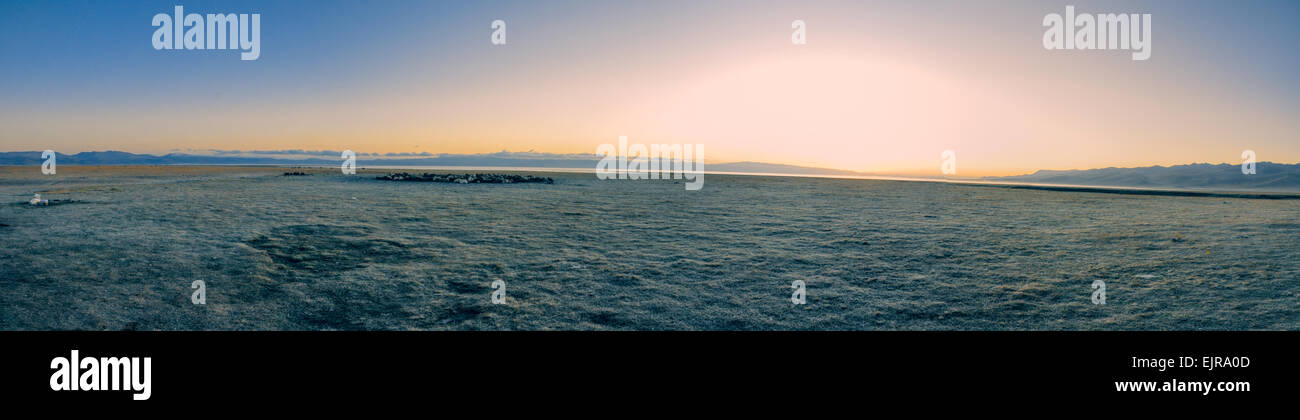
pixel 467 178
pixel 37 201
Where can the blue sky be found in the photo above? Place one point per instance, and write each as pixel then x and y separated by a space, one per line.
pixel 421 76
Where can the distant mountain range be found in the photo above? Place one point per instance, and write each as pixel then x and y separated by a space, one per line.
pixel 322 158
pixel 318 158
pixel 1269 176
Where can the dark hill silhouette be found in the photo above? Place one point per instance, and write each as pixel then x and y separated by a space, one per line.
pixel 1268 176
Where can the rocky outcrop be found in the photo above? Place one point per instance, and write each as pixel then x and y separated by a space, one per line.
pixel 467 178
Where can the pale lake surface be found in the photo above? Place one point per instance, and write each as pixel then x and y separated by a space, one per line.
pixel 121 247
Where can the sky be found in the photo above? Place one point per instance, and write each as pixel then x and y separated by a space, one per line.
pixel 882 87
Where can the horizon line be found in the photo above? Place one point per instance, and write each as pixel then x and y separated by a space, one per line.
pixel 290 156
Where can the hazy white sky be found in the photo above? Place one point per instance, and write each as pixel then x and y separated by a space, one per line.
pixel 879 87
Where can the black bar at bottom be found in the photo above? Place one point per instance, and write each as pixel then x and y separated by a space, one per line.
pixel 452 367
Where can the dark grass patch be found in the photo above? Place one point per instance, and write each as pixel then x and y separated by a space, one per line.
pixel 315 250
